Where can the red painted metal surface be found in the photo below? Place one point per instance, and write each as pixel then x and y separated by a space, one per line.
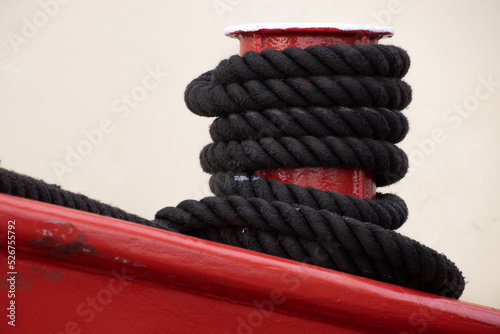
pixel 355 182
pixel 82 273
pixel 256 38
pixel 269 36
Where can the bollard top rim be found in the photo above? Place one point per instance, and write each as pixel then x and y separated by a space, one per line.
pixel 294 27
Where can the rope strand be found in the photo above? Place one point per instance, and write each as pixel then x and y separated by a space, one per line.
pixel 336 59
pixel 205 98
pixel 376 123
pixel 27 187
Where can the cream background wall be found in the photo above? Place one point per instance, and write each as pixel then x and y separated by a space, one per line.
pixel 65 74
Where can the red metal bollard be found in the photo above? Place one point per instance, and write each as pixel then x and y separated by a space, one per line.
pixel 258 37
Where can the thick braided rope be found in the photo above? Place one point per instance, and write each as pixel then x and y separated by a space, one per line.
pixel 205 98
pixel 387 161
pixel 337 59
pixel 388 211
pixel 336 106
pixel 27 187
pixel 375 123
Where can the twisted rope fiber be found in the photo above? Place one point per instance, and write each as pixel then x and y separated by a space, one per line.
pixel 375 123
pixel 336 59
pixel 388 161
pixel 388 211
pixel 205 98
pixel 335 106
pixel 15 184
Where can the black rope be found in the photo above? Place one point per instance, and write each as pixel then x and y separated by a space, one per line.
pixel 388 211
pixel 375 123
pixel 19 185
pixel 205 98
pixel 336 59
pixel 336 105
pixel 386 160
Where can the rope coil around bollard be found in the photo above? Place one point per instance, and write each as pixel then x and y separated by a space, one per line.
pixel 336 105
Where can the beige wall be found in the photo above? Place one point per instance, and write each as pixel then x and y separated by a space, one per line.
pixel 67 76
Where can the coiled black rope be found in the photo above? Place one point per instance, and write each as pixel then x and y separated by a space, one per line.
pixel 336 105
